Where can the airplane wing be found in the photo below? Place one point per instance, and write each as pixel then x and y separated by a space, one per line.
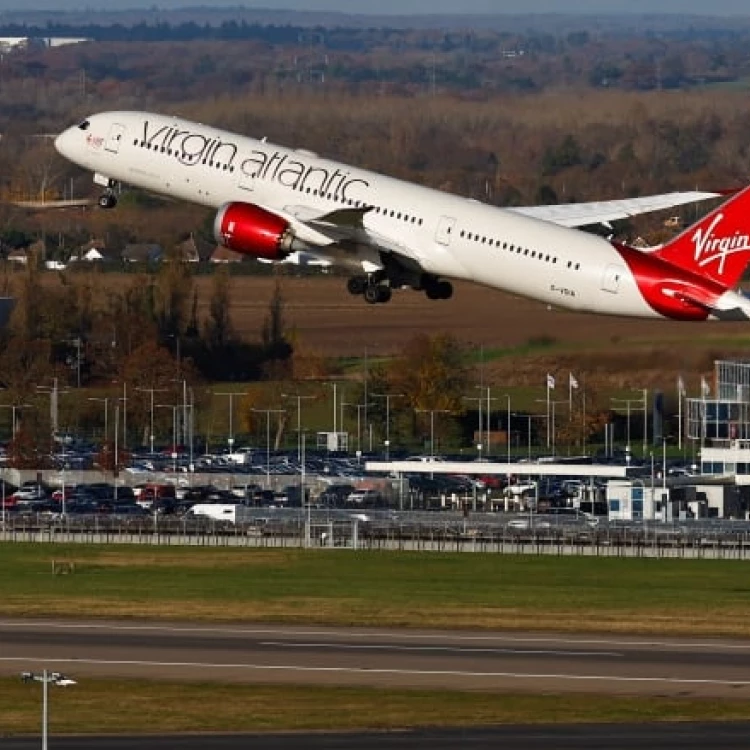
pixel 341 238
pixel 603 212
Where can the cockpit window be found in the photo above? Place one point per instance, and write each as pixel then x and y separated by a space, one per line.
pixel 85 125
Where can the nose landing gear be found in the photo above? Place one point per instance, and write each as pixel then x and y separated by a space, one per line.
pixel 107 200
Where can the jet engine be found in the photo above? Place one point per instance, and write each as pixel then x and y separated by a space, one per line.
pixel 250 229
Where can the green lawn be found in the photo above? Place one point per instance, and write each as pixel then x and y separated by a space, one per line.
pixel 98 706
pixel 369 588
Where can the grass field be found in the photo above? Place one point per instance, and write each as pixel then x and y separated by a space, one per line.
pixel 130 706
pixel 389 589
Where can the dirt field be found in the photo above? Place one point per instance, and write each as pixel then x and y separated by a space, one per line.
pixel 329 321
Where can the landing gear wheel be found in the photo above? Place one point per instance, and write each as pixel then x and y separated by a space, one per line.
pixel 356 285
pixel 372 294
pixel 432 292
pixel 439 290
pixel 385 294
pixel 107 200
pixel 445 289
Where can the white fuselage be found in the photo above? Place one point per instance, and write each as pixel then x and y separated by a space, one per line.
pixel 449 236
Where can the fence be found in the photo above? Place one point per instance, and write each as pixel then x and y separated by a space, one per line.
pixel 415 532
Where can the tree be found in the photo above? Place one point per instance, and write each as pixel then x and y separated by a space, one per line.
pixel 218 330
pixel 565 154
pixel 431 374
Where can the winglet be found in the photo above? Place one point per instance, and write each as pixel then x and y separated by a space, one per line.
pixel 716 247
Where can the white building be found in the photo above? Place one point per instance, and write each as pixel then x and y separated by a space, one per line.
pixel 636 500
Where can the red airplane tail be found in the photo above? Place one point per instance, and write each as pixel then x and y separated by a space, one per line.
pixel 716 247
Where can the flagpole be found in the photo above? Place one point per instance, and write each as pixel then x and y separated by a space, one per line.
pixel 548 440
pixel 583 409
pixel 679 416
pixel 570 393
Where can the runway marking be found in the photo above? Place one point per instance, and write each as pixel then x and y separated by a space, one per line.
pixel 378 671
pixel 448 635
pixel 437 649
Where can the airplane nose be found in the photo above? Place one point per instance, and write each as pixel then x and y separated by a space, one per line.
pixel 62 143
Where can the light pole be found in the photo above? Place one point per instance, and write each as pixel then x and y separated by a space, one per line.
pixel 387 397
pixel 432 413
pixel 268 413
pixel 54 400
pixel 509 434
pixel 231 396
pixel 335 387
pixel 302 495
pixel 480 423
pixel 47 679
pixel 105 400
pixel 14 408
pixel 174 408
pixel 151 392
pixel 359 408
pixel 638 402
pixel 299 398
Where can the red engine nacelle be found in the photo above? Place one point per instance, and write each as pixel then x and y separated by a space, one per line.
pixel 249 229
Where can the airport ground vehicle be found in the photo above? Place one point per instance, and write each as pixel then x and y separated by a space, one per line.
pixel 229 512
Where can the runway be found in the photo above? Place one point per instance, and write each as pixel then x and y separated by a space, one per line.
pixel 381 658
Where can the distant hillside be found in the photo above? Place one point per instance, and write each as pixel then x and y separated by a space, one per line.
pixel 558 24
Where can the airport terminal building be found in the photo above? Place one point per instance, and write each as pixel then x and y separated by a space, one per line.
pixel 719 422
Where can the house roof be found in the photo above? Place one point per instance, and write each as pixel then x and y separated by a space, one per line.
pixel 142 252
pixel 193 249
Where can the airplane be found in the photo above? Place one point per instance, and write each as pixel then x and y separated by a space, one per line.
pixel 272 202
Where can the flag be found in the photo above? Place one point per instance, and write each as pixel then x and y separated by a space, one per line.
pixel 680 386
pixel 572 381
pixel 705 388
pixel 550 382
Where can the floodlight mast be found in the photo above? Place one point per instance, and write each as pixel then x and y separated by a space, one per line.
pixel 47 678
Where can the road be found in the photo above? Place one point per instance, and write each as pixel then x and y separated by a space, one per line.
pixel 384 658
pixel 627 737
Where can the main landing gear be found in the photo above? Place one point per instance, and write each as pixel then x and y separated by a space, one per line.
pixel 374 290
pixel 378 288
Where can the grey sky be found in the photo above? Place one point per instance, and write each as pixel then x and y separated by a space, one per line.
pixel 599 7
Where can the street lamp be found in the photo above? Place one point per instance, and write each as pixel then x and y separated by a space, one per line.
pixel 641 402
pixel 14 408
pixel 151 392
pixel 359 408
pixel 387 397
pixel 268 413
pixel 231 396
pixel 174 408
pixel 509 433
pixel 299 420
pixel 106 415
pixel 54 400
pixel 432 413
pixel 47 679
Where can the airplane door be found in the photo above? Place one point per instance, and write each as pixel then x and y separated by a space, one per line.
pixel 114 139
pixel 445 230
pixel 611 279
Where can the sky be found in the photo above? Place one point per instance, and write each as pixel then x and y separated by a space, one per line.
pixel 598 7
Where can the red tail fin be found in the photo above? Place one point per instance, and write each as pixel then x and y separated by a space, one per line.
pixel 718 246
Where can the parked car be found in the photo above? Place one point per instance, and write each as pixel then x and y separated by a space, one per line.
pixel 364 498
